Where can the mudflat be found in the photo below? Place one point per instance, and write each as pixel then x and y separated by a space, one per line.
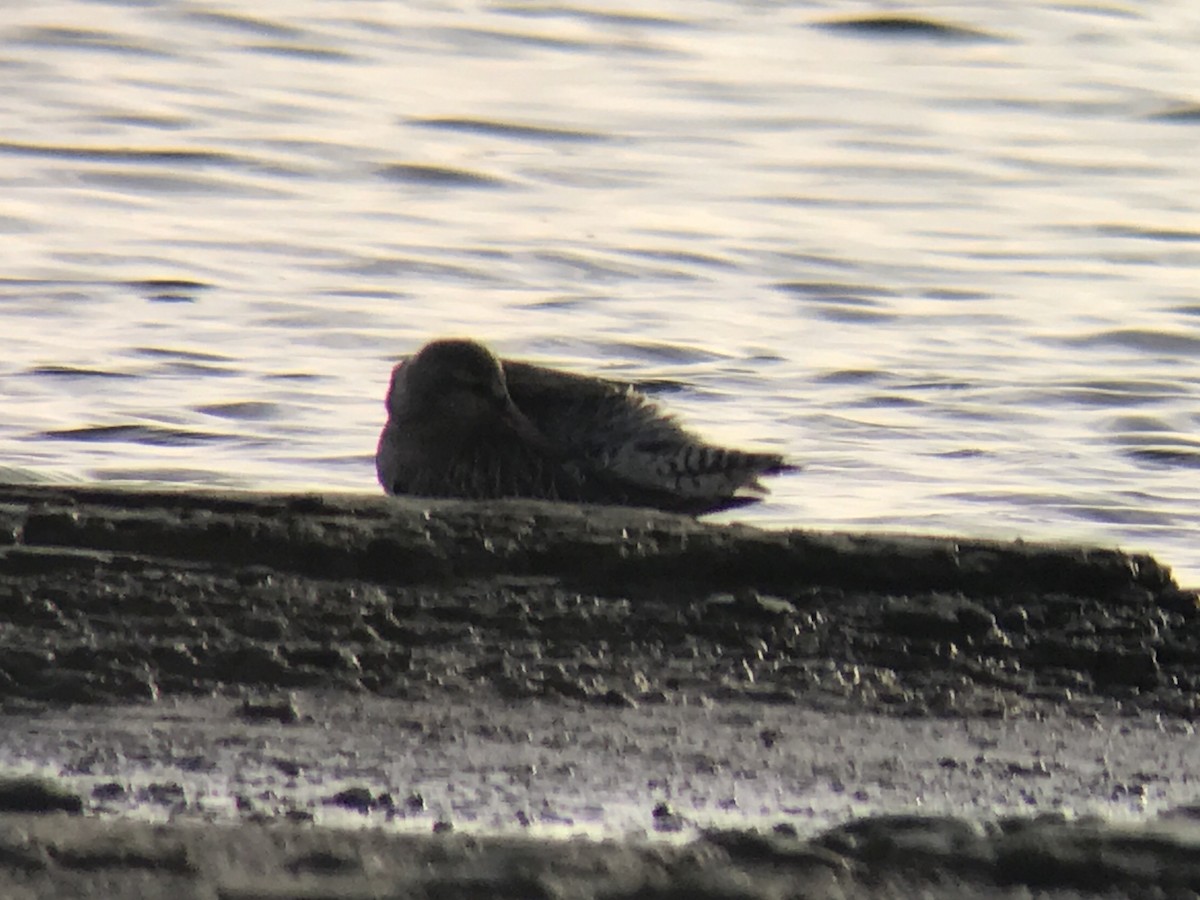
pixel 237 695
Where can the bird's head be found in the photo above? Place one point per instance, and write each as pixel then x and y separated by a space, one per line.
pixel 456 386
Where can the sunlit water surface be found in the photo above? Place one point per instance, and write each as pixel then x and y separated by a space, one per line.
pixel 949 263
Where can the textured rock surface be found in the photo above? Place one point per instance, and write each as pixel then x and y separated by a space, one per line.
pixel 115 595
pixel 279 661
pixel 885 857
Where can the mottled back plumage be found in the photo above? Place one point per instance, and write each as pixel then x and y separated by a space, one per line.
pixel 462 423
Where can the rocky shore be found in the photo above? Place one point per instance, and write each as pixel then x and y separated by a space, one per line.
pixel 52 856
pixel 143 634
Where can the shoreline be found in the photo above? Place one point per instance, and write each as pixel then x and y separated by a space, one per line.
pixel 126 594
pixel 216 671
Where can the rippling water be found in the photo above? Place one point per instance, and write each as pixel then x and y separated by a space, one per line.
pixel 949 263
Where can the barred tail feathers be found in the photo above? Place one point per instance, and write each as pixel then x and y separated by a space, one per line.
pixel 693 469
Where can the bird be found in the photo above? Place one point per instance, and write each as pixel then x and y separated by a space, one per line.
pixel 463 423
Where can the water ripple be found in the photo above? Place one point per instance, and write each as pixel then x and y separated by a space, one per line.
pixel 168 289
pixel 688 258
pixel 303 52
pixel 438 176
pixel 510 130
pixel 247 410
pixel 245 24
pixel 850 376
pixel 146 120
pixel 71 373
pixel 842 303
pixel 826 290
pixel 1114 394
pixel 656 353
pixel 125 154
pixel 1174 235
pixel 180 475
pixel 174 184
pixel 1113 511
pixel 1140 339
pixel 1187 114
pixel 1166 456
pixel 75 39
pixel 898 26
pixel 481 40
pixel 596 16
pixel 150 435
pixel 181 355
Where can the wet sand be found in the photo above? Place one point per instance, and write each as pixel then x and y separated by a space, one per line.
pixel 254 695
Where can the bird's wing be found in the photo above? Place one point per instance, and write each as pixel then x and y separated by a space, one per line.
pixel 587 416
pixel 625 439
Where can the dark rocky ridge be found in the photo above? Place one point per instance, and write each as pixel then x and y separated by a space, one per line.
pixel 111 594
pixel 600 549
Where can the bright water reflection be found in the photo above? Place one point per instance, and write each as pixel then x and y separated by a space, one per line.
pixel 952 271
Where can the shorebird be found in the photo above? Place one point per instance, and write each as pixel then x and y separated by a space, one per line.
pixel 464 423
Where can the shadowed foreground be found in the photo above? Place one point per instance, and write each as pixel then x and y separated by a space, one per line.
pixel 517 668
pixel 53 856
